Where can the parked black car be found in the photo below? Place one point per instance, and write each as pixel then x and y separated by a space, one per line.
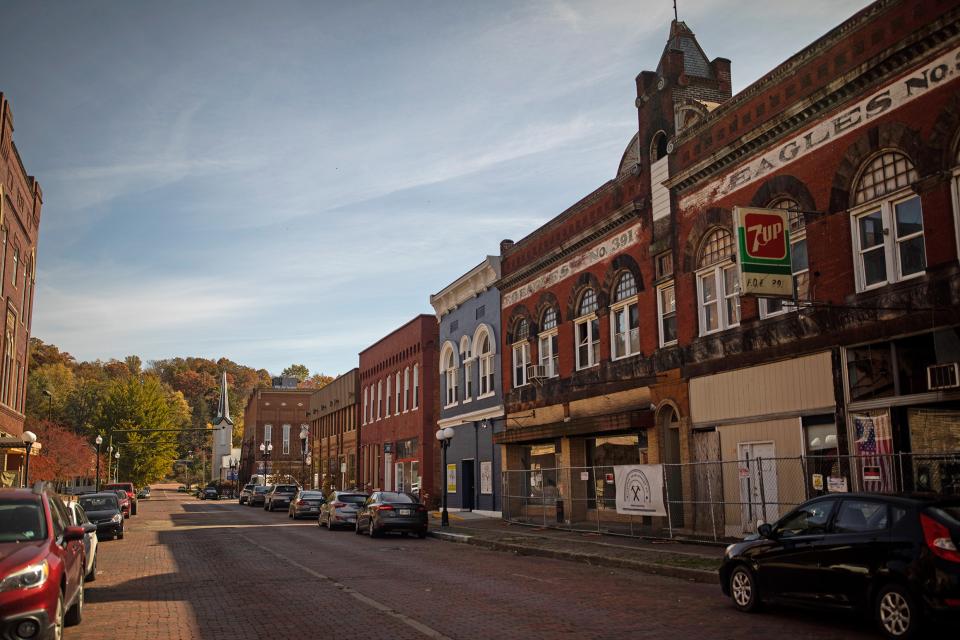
pixel 103 510
pixel 210 493
pixel 280 496
pixel 390 511
pixel 305 504
pixel 894 556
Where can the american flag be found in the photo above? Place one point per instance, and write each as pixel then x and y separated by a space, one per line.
pixel 875 451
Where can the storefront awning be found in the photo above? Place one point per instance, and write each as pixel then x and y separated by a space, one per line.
pixel 584 426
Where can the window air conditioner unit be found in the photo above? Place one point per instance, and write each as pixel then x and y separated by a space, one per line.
pixel 536 371
pixel 943 376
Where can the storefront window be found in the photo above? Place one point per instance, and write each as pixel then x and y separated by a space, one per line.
pixel 870 370
pixel 900 367
pixel 602 454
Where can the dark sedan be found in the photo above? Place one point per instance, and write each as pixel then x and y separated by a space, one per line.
pixel 259 494
pixel 894 556
pixel 341 509
pixel 390 511
pixel 306 504
pixel 280 496
pixel 103 510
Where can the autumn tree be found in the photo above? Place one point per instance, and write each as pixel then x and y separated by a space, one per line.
pixel 298 371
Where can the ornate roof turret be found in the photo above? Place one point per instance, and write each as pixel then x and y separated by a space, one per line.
pixel 223 409
pixel 695 62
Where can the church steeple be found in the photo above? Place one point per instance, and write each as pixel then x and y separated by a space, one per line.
pixel 223 409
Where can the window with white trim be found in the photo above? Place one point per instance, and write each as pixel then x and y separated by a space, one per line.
pixel 406 388
pixel 396 392
pixel 887 223
pixel 379 399
pixel 486 355
pixel 286 439
pixel 467 366
pixel 625 318
pixel 667 314
pixel 387 406
pixel 798 258
pixel 587 331
pixel 268 433
pixel 450 373
pixel 717 287
pixel 416 385
pixel 365 405
pixel 521 352
pixel 548 350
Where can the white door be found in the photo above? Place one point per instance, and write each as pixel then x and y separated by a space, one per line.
pixel 757 468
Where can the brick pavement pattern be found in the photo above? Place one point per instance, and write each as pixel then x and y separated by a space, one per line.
pixel 210 570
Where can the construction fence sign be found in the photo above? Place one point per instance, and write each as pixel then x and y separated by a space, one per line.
pixel 763 252
pixel 640 489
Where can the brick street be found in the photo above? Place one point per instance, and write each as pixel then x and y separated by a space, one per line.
pixel 193 569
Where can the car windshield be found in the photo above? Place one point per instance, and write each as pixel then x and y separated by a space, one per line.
pixel 249 487
pixel 311 495
pixel 98 503
pixel 951 512
pixel 286 488
pixel 21 521
pixel 396 497
pixel 356 498
pixel 260 489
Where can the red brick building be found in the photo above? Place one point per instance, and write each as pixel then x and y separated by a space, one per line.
pixel 627 339
pixel 275 416
pixel 334 417
pixel 20 203
pixel 399 406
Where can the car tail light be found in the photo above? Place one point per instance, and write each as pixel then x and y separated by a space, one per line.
pixel 937 537
pixel 338 504
pixel 384 507
pixel 301 502
pixel 953 602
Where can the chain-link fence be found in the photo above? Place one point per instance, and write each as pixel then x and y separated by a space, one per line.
pixel 716 500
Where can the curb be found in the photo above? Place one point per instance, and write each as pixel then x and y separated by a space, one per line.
pixel 683 573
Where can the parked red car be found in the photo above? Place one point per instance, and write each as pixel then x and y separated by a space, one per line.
pixel 124 501
pixel 41 565
pixel 131 493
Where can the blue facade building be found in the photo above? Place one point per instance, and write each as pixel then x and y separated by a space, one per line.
pixel 471 399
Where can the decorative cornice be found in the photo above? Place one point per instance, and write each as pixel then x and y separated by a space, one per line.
pixel 473 282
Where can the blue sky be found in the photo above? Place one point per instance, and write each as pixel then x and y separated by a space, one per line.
pixel 283 181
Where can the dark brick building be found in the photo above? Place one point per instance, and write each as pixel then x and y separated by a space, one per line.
pixel 20 203
pixel 275 415
pixel 399 407
pixel 633 298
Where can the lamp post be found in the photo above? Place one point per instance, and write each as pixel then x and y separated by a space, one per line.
pixel 29 437
pixel 49 395
pixel 99 441
pixel 304 434
pixel 116 467
pixel 109 462
pixel 265 451
pixel 444 436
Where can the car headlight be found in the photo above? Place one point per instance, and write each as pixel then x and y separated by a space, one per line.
pixel 29 577
pixel 117 517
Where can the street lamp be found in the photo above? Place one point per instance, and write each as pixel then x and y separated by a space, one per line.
pixel 444 436
pixel 29 437
pixel 49 395
pixel 99 441
pixel 116 467
pixel 265 451
pixel 109 462
pixel 304 434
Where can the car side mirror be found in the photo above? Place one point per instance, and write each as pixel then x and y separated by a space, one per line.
pixel 73 533
pixel 765 530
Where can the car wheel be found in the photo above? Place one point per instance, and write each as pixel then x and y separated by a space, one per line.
pixel 373 530
pixel 90 577
pixel 743 589
pixel 134 511
pixel 74 615
pixel 422 534
pixel 120 535
pixel 58 621
pixel 896 612
pixel 356 529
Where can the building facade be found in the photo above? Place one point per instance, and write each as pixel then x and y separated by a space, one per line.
pixel 399 408
pixel 276 415
pixel 334 413
pixel 471 402
pixel 20 202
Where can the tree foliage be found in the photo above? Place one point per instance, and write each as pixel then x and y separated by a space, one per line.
pixel 298 371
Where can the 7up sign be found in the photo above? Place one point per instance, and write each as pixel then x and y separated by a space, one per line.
pixel 763 252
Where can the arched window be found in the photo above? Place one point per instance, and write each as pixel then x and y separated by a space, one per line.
pixel 547 346
pixel 450 373
pixel 467 368
pixel 625 318
pixel 485 353
pixel 587 330
pixel 798 257
pixel 521 352
pixel 719 302
pixel 887 222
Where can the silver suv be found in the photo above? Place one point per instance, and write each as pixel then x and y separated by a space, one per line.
pixel 280 496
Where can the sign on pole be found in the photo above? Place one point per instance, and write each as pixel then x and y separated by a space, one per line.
pixel 763 252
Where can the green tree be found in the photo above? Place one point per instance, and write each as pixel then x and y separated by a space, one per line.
pixel 49 387
pixel 298 371
pixel 139 406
